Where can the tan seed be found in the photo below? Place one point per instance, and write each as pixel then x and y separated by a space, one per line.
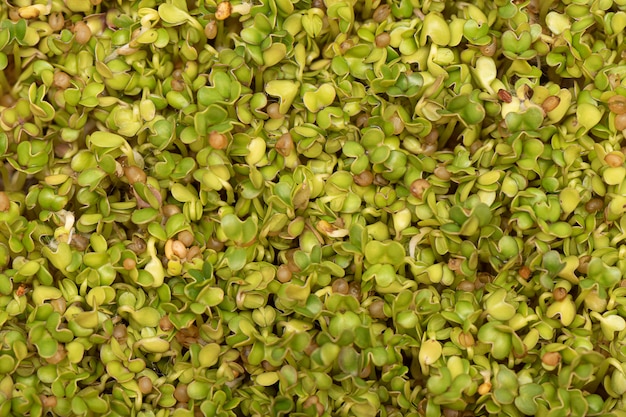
pixel 177 74
pixel 418 187
pixel 82 33
pixel 364 179
pixel 145 385
pixel 178 85
pixel 59 304
pixel 181 394
pixel 168 249
pixel 617 104
pixel 56 21
pixel 466 286
pixel 550 103
pixel 448 412
pixel 484 388
pixel 166 324
pixel 137 245
pixel 312 400
pixel 489 49
pixel 186 238
pixel 119 331
pixel 442 173
pixel 129 264
pixel 594 205
pixel 382 40
pixel 398 124
pixel 431 138
pixel 381 13
pixel 224 9
pixel 13 14
pixel 283 274
pixel 345 45
pixel 475 146
pixel 193 252
pixel 614 159
pixel 362 120
pixel 7 100
pixel 179 249
pixel 61 80
pixel 559 294
pixel 376 309
pixel 135 174
pixel 210 30
pixel 528 92
pixel 354 289
pixel 524 272
pixel 29 12
pixel 551 358
pixel 218 140
pixel 583 266
pixel 455 264
pixel 341 286
pixel 505 96
pixel 284 145
pixel 214 244
pixel 380 180
pixel 620 121
pixel 170 209
pixel 49 401
pixel 5 202
pixel 466 339
pixel 273 111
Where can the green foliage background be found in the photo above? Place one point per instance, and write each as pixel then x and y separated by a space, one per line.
pixel 296 208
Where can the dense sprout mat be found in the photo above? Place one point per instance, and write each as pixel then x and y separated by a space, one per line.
pixel 312 208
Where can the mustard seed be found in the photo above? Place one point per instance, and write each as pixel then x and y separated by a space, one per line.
pixel 284 145
pixel 620 121
pixel 218 140
pixel 382 40
pixel 186 238
pixel 341 286
pixel 181 394
pixel 166 324
pixel 559 294
pixel 145 385
pixel 376 309
pixel 364 179
pixel 61 80
pixel 135 174
pixel 5 202
pixel 283 273
pixel 129 264
pixel 418 187
pixel 550 103
pixel 82 33
pixel 273 111
pixel 381 13
pixel 224 9
pixel 551 358
pixel 617 104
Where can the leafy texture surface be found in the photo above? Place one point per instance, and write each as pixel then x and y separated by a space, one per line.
pixel 312 208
